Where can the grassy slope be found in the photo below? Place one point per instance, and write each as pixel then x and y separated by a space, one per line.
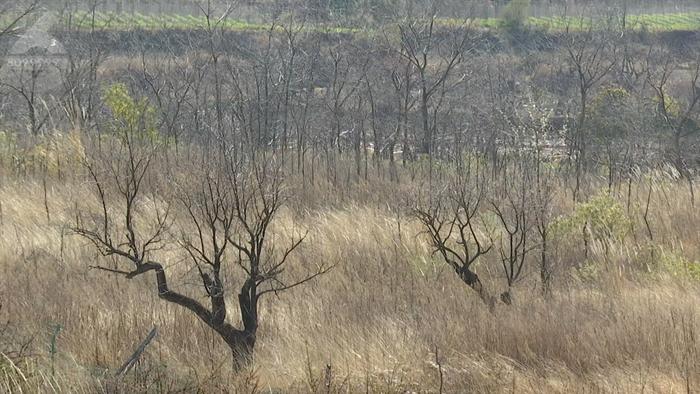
pixel 376 319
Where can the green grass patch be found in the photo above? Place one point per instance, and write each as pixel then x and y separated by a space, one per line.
pixel 125 21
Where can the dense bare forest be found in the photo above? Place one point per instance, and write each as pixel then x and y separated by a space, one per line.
pixel 349 196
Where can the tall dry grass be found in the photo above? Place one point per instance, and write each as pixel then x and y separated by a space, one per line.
pixel 389 318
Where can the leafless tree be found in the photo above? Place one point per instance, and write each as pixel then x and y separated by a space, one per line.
pixel 230 207
pixel 592 54
pixel 16 16
pixel 433 55
pixel 676 115
pixel 344 83
pixel 402 82
pixel 25 86
pixel 80 78
pixel 232 213
pixel 169 81
pixel 543 216
pixel 513 213
pixel 289 53
pixel 450 221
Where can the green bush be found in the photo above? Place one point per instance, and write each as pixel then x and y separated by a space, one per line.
pixel 673 263
pixel 131 118
pixel 590 271
pixel 601 218
pixel 515 14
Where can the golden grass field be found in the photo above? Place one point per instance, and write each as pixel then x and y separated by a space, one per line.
pixel 389 318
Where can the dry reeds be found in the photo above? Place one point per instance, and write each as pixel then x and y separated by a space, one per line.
pixel 625 320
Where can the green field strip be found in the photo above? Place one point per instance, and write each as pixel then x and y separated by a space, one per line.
pixel 125 21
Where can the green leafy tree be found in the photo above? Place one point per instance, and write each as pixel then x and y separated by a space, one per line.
pixel 131 118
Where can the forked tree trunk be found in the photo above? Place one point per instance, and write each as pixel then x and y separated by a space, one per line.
pixel 241 344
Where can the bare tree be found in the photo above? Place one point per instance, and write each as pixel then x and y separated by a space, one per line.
pixel 450 223
pixel 229 211
pixel 289 54
pixel 433 55
pixel 80 76
pixel 516 223
pixel 676 115
pixel 402 82
pixel 16 18
pixel 345 77
pixel 592 54
pixel 542 199
pixel 344 83
pixel 232 211
pixel 169 82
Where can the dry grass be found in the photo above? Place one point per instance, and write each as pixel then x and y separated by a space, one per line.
pixel 376 319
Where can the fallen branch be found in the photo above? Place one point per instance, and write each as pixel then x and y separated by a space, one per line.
pixel 137 354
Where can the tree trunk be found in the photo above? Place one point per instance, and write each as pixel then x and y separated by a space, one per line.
pixel 426 146
pixel 241 344
pixel 580 144
pixel 545 274
pixel 507 296
pixel 472 280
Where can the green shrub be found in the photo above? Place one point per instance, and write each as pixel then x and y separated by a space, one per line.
pixel 590 271
pixel 515 14
pixel 131 118
pixel 602 218
pixel 673 263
